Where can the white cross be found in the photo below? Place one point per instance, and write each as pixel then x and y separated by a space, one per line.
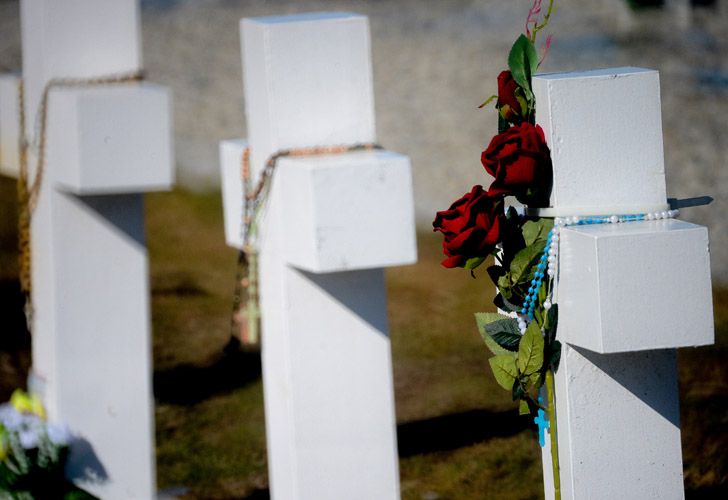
pixel 105 146
pixel 332 223
pixel 628 294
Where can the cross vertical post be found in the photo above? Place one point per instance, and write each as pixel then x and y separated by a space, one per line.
pixel 332 223
pixel 106 144
pixel 629 294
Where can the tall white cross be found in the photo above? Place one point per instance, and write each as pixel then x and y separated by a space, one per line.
pixel 332 223
pixel 628 294
pixel 106 144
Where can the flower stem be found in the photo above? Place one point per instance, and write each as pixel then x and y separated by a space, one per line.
pixel 552 427
pixel 538 27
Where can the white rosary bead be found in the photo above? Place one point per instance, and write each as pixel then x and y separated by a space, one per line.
pixel 613 219
pixel 575 219
pixel 664 215
pixel 551 272
pixel 657 215
pixel 547 304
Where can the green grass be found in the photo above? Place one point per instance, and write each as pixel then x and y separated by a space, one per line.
pixel 459 433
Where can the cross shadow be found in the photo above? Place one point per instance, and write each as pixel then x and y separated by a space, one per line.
pixel 446 433
pixel 258 494
pixel 450 432
pixel 83 463
pixel 650 375
pixel 188 384
pixel 346 288
pixel 123 212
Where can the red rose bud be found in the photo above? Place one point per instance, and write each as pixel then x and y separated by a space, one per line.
pixel 508 103
pixel 472 226
pixel 520 161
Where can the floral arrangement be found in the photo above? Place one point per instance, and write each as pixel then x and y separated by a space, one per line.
pixel 478 226
pixel 33 451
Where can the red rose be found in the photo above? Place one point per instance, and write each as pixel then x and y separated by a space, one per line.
pixel 471 226
pixel 509 91
pixel 520 161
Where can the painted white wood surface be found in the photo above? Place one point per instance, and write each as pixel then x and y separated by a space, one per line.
pixel 635 286
pixel 327 370
pixel 91 332
pixel 606 150
pixel 112 138
pixel 628 294
pixel 9 125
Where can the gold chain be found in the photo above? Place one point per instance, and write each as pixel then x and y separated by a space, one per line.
pixel 246 313
pixel 29 191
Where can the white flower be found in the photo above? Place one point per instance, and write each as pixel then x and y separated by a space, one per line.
pixel 29 437
pixel 10 417
pixel 59 434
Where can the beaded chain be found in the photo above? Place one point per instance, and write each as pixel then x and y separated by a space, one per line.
pixel 547 266
pixel 246 306
pixel 29 189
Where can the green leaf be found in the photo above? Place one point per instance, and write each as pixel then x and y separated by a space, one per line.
pixel 538 316
pixel 523 408
pixel 535 379
pixel 482 319
pixel 523 63
pixel 504 370
pixel 485 318
pixel 505 333
pixel 534 230
pixel 530 350
pixel 474 262
pixel 504 286
pixel 502 304
pixel 517 391
pixel 555 355
pixel 524 261
pixel 552 320
pixel 488 101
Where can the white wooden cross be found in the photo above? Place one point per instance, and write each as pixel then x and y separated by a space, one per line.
pixel 628 294
pixel 106 145
pixel 332 223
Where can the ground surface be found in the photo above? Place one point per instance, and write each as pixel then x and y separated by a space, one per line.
pixel 459 435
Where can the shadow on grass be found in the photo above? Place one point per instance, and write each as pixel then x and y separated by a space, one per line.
pixel 704 493
pixel 445 433
pixel 450 432
pixel 260 494
pixel 14 340
pixel 190 384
